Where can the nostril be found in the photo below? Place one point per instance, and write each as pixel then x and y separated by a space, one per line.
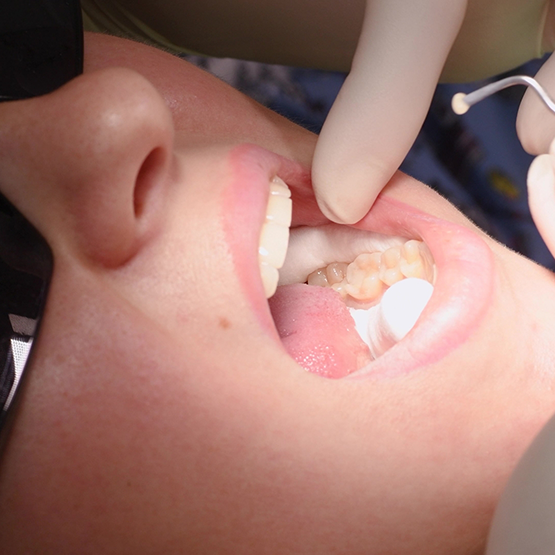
pixel 149 173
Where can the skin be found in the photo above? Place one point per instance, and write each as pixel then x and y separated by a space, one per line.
pixel 160 416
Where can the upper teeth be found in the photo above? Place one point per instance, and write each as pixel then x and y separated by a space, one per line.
pixel 274 236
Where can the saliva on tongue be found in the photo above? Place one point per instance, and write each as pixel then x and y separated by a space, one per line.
pixel 327 338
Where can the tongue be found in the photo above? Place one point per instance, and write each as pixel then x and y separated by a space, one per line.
pixel 317 330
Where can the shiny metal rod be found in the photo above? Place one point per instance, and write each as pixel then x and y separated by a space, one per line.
pixel 461 102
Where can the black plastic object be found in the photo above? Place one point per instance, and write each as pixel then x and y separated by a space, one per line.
pixel 41 46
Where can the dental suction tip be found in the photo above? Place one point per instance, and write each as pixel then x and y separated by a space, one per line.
pixel 459 105
pixel 462 102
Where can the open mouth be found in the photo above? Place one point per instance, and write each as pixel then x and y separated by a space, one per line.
pixel 398 291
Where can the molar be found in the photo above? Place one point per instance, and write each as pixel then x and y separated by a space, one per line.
pixel 386 292
pixel 385 281
pixel 362 282
pixel 417 261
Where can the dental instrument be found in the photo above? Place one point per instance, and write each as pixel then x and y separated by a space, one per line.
pixel 462 102
pixel 541 175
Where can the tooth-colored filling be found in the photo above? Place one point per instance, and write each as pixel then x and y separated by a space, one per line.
pixel 362 282
pixel 274 235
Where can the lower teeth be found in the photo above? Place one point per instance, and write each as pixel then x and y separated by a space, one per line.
pixel 362 283
pixel 384 310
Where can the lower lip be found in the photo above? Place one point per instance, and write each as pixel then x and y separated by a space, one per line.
pixel 462 292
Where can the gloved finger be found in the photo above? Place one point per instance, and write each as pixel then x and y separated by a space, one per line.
pixel 383 102
pixel 535 124
pixel 541 196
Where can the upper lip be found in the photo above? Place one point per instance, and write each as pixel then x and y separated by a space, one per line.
pixel 464 262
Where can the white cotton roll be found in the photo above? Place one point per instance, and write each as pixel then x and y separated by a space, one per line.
pixel 385 324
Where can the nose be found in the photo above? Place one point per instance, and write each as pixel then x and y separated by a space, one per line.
pixel 88 163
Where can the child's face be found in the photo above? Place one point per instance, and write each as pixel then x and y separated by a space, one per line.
pixel 163 415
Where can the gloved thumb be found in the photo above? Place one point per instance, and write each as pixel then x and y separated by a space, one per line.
pixel 383 102
pixel 541 195
pixel 535 124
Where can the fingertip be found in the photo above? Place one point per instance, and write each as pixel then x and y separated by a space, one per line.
pixel 535 124
pixel 338 214
pixel 541 178
pixel 541 197
pixel 348 200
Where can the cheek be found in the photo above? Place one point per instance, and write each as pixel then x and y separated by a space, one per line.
pixel 127 438
pixel 135 434
pixel 117 436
